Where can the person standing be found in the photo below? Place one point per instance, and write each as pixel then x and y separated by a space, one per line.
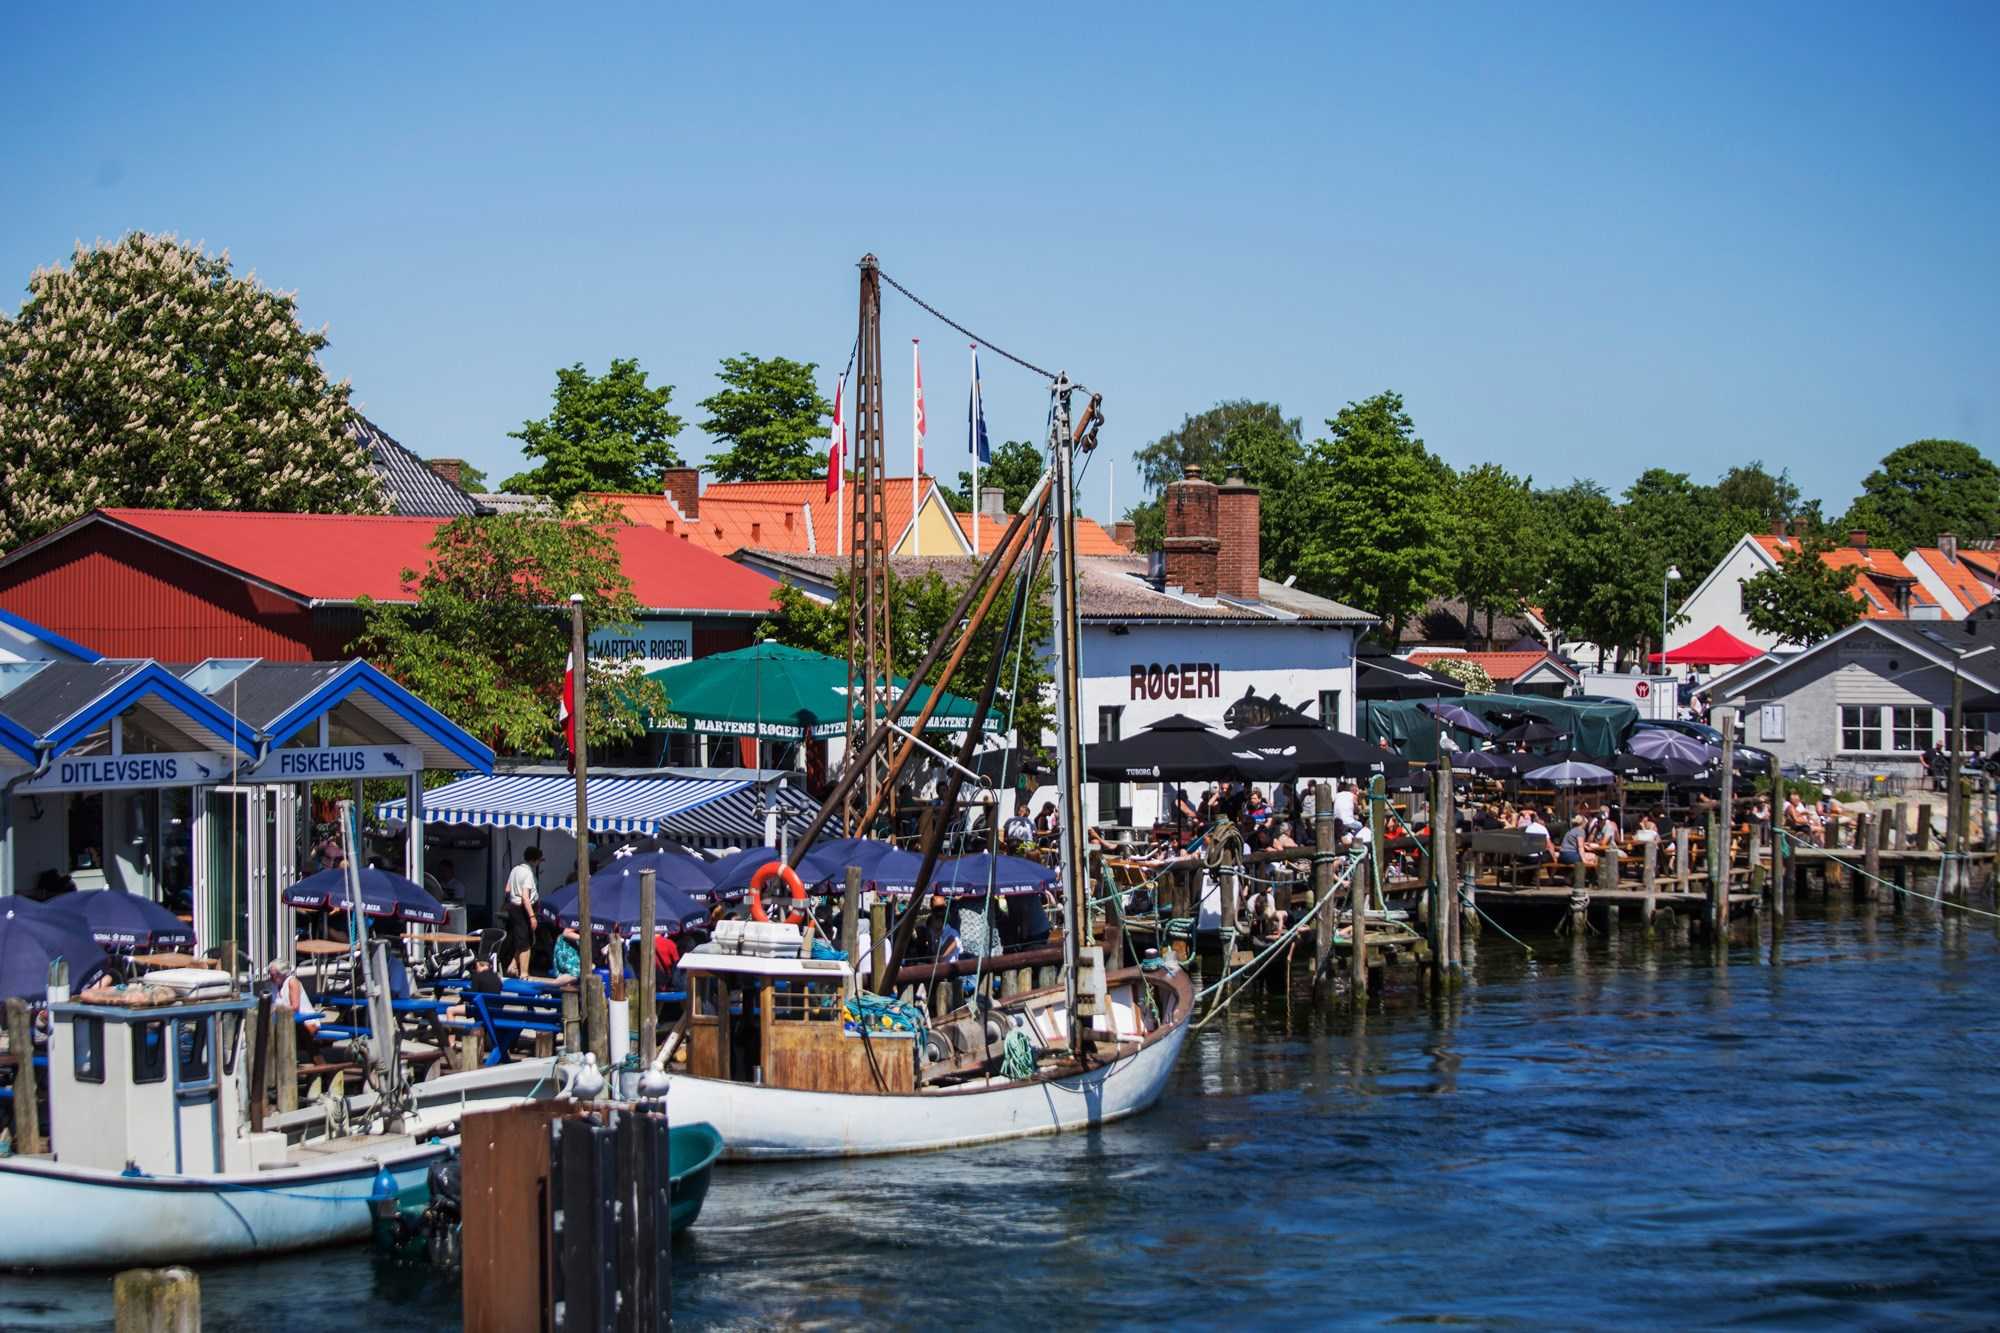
pixel 523 893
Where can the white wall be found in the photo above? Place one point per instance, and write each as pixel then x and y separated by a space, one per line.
pixel 1719 600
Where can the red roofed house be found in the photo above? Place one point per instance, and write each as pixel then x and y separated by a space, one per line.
pixel 1512 672
pixel 794 516
pixel 1885 586
pixel 1962 582
pixel 185 585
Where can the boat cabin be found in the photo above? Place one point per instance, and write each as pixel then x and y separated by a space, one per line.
pixel 157 1087
pixel 778 1022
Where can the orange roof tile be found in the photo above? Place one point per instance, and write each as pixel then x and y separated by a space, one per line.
pixel 1874 587
pixel 1501 666
pixel 1091 538
pixel 1963 583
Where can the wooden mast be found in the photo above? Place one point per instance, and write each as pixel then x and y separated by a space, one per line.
pixel 869 668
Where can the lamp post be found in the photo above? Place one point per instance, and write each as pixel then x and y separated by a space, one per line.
pixel 1673 576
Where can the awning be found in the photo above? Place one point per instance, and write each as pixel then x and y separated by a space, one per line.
pixel 775 692
pixel 1718 647
pixel 707 811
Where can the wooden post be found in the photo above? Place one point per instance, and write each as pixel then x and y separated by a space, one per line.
pixel 1718 877
pixel 1579 899
pixel 471 1049
pixel 283 1036
pixel 156 1300
pixel 1649 881
pixel 1871 853
pixel 1899 831
pixel 596 1028
pixel 572 1021
pixel 1357 953
pixel 28 1137
pixel 649 1004
pixel 1225 877
pixel 1376 793
pixel 1756 859
pixel 878 936
pixel 850 919
pixel 1922 838
pixel 1683 858
pixel 1325 838
pixel 1440 886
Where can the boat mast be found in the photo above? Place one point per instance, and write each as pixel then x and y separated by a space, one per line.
pixel 1069 721
pixel 869 669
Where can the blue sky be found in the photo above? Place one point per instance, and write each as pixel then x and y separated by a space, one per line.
pixel 1579 240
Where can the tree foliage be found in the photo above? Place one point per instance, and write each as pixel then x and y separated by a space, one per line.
pixel 1754 499
pixel 146 374
pixel 1926 488
pixel 1374 522
pixel 1015 468
pixel 488 636
pixel 1204 440
pixel 770 416
pixel 609 432
pixel 1804 599
pixel 1465 671
pixel 1497 552
pixel 1598 584
pixel 918 609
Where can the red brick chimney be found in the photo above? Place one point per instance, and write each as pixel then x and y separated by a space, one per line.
pixel 1191 545
pixel 1858 539
pixel 1236 519
pixel 683 487
pixel 1125 533
pixel 451 469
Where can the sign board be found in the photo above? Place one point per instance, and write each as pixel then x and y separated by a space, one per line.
pixel 651 644
pixel 336 763
pixel 108 772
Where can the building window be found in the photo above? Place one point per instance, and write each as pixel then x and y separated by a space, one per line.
pixel 1860 727
pixel 87 1035
pixel 1329 709
pixel 1110 719
pixel 1912 728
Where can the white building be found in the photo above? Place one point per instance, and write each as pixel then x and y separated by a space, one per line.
pixel 1885 586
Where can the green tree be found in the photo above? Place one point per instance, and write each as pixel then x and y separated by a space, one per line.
pixel 1925 488
pixel 488 636
pixel 1598 584
pixel 1804 599
pixel 1015 468
pixel 609 432
pixel 772 419
pixel 1754 499
pixel 1497 555
pixel 147 374
pixel 1199 441
pixel 918 609
pixel 1375 522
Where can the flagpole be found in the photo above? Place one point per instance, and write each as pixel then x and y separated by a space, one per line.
pixel 972 442
pixel 916 447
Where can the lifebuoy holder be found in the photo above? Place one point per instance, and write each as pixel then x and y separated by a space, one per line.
pixel 792 882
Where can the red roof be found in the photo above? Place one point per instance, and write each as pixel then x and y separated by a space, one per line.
pixel 1091 538
pixel 1957 577
pixel 1882 574
pixel 1718 647
pixel 1502 666
pixel 340 557
pixel 792 516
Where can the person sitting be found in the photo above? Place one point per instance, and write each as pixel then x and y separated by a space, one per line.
pixel 1575 849
pixel 1802 823
pixel 1531 826
pixel 1831 812
pixel 1019 831
pixel 485 981
pixel 289 991
pixel 567 958
pixel 1649 828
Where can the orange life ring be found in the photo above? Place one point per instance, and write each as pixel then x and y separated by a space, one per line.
pixel 792 881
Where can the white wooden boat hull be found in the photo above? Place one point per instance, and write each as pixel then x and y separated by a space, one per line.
pixel 55 1216
pixel 763 1123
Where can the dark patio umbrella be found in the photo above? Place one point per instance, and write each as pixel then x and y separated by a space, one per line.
pixel 616 901
pixel 30 939
pixel 1179 747
pixel 685 872
pixel 1660 743
pixel 967 875
pixel 126 920
pixel 382 894
pixel 1485 761
pixel 1457 715
pixel 1570 773
pixel 1314 751
pixel 1534 731
pixel 826 864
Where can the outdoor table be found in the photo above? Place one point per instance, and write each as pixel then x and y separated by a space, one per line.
pixel 445 937
pixel 171 960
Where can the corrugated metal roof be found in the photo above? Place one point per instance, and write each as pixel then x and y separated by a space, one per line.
pixel 413 489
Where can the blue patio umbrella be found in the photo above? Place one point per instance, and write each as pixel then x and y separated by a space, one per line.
pixel 1570 773
pixel 1457 715
pixel 893 871
pixel 685 872
pixel 30 939
pixel 121 919
pixel 731 875
pixel 382 894
pixel 966 875
pixel 616 901
pixel 879 862
pixel 1660 743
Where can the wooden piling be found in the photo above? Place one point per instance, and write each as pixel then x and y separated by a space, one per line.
pixel 1683 858
pixel 28 1137
pixel 850 919
pixel 878 938
pixel 284 1039
pixel 156 1300
pixel 1357 953
pixel 1226 883
pixel 1723 825
pixel 572 1022
pixel 649 1003
pixel 596 1021
pixel 1756 859
pixel 1439 931
pixel 257 1021
pixel 1325 836
pixel 1649 880
pixel 1922 837
pixel 1898 831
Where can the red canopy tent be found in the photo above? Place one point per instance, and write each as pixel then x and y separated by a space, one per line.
pixel 1718 647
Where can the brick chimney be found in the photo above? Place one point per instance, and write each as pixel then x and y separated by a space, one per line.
pixel 451 469
pixel 1190 544
pixel 1125 533
pixel 1236 519
pixel 1948 546
pixel 1778 528
pixel 992 503
pixel 1858 539
pixel 683 487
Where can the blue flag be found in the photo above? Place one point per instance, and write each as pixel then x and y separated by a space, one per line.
pixel 975 419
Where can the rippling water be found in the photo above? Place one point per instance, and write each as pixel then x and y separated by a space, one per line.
pixel 1606 1137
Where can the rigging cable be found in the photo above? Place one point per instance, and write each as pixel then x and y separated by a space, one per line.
pixel 998 351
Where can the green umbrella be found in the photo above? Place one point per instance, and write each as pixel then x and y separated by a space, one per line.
pixel 778 693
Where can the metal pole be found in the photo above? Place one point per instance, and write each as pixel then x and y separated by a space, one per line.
pixel 580 754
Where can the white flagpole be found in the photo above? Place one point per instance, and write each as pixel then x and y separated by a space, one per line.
pixel 916 449
pixel 972 439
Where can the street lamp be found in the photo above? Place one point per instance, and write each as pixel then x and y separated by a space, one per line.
pixel 1673 576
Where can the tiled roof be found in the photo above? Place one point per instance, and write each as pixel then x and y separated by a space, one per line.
pixel 792 516
pixel 1502 667
pixel 336 558
pixel 1874 586
pixel 1091 538
pixel 1962 583
pixel 413 489
pixel 1109 589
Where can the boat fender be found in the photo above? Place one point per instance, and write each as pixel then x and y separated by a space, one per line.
pixel 792 882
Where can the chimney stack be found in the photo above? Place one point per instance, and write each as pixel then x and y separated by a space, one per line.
pixel 1190 544
pixel 1236 521
pixel 451 469
pixel 683 487
pixel 1858 539
pixel 1948 546
pixel 993 503
pixel 1778 527
pixel 1125 533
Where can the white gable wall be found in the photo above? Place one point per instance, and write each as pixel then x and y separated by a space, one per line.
pixel 1718 599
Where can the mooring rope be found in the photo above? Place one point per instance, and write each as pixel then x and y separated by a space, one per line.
pixel 1786 837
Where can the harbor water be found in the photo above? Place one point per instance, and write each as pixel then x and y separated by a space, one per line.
pixel 1601 1135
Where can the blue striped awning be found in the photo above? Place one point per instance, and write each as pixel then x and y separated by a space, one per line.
pixel 703 811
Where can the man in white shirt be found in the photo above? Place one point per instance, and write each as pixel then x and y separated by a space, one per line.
pixel 287 990
pixel 1344 804
pixel 523 893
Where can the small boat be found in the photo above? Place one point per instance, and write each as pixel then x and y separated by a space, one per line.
pixel 691 1151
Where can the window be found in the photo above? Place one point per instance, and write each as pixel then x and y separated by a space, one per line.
pixel 1329 709
pixel 191 1048
pixel 87 1035
pixel 149 1052
pixel 1912 728
pixel 1860 727
pixel 1109 720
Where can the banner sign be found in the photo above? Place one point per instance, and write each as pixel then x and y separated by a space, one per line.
pixel 651 644
pixel 335 763
pixel 106 772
